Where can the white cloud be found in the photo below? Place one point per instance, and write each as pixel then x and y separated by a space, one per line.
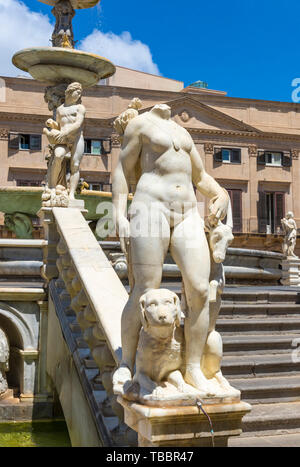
pixel 20 28
pixel 121 50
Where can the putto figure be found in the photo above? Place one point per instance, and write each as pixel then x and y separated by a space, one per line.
pixel 165 207
pixel 290 229
pixel 65 136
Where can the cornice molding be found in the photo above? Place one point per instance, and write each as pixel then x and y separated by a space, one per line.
pixel 244 134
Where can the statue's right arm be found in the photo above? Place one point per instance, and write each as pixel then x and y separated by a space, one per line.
pixel 129 155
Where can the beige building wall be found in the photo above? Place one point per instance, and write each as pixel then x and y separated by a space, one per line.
pixel 214 120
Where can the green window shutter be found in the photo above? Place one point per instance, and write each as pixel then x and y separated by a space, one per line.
pixel 218 155
pixel 236 156
pixel 279 208
pixel 261 158
pixel 35 142
pixel 106 145
pixel 286 159
pixel 262 212
pixel 13 142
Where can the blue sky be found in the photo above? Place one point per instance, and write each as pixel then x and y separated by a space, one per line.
pixel 248 48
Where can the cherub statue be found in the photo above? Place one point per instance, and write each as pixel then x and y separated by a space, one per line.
pixel 66 139
pixel 290 229
pixel 4 361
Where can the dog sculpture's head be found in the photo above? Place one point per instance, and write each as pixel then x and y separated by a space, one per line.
pixel 160 308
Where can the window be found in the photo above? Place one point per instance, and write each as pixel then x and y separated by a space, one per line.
pixel 228 155
pixel 96 147
pixel 271 209
pixel 94 186
pixel 273 158
pixel 92 146
pixel 236 204
pixel 100 186
pixel 25 142
pixel 29 182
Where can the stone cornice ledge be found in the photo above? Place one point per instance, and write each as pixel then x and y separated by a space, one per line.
pixel 22 294
pixel 244 134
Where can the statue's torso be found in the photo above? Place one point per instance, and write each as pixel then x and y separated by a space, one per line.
pixel 67 115
pixel 165 163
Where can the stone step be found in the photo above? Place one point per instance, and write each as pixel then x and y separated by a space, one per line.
pixel 249 295
pixel 260 309
pixel 256 295
pixel 252 366
pixel 268 389
pixel 258 343
pixel 231 326
pixel 272 419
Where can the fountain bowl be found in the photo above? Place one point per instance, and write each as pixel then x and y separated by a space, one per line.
pixel 55 65
pixel 76 4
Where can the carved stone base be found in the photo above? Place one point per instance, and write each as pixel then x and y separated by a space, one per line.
pixel 291 272
pixel 185 426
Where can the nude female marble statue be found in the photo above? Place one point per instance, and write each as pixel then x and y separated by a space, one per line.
pixel 169 166
pixel 290 229
pixel 67 137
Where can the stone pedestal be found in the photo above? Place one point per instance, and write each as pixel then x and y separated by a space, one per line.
pixel 185 426
pixel 291 272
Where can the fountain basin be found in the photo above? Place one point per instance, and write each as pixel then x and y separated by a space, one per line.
pixel 76 4
pixel 55 65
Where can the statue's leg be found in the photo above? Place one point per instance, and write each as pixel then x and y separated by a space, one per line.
pixel 147 254
pixel 55 169
pixel 76 158
pixel 190 250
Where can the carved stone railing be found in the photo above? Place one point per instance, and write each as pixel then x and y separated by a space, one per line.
pixel 81 270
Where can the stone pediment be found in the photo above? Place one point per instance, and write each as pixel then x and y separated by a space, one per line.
pixel 190 113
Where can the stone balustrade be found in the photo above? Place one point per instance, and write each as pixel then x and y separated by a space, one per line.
pixel 88 284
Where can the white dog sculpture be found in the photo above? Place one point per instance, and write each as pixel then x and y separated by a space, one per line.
pixel 160 350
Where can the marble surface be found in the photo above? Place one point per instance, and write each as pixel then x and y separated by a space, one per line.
pixel 56 64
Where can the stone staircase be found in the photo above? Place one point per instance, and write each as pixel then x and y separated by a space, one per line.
pixel 258 326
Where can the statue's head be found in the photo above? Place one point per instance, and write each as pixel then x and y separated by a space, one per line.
pixel 290 215
pixel 73 93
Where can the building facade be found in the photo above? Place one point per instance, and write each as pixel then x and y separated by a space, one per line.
pixel 251 147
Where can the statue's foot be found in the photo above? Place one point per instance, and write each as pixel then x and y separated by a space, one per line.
pixel 122 379
pixel 226 387
pixel 195 377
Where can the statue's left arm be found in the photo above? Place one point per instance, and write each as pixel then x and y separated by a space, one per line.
pixel 208 186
